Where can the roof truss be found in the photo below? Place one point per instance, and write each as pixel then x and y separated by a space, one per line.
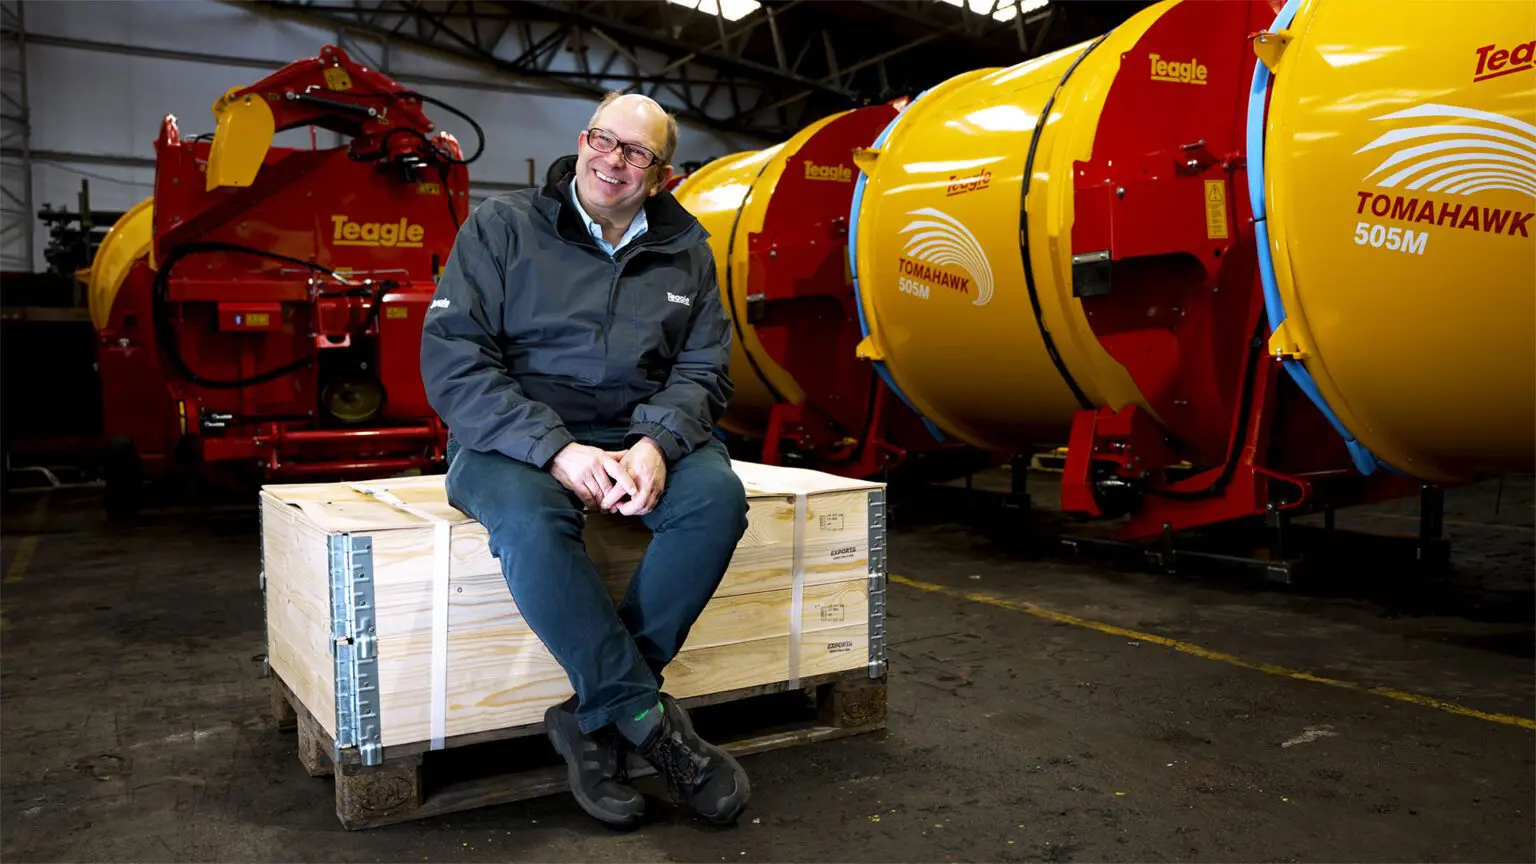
pixel 766 75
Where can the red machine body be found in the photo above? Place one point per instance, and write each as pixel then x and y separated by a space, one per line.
pixel 801 303
pixel 1180 306
pixel 273 331
pixel 779 220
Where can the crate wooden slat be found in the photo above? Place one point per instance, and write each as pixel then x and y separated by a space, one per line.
pixel 803 596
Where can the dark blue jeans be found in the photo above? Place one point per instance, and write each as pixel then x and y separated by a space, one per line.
pixel 613 656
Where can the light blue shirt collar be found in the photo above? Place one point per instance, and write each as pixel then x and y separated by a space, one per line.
pixel 636 227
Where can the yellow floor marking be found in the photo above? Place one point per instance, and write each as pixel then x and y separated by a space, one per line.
pixel 28 546
pixel 1206 653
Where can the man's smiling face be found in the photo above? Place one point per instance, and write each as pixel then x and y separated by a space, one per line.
pixel 611 186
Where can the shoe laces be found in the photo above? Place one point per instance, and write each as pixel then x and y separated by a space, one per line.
pixel 609 756
pixel 678 762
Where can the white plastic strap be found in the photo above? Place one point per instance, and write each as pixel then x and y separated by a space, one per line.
pixel 442 549
pixel 797 592
pixel 442 558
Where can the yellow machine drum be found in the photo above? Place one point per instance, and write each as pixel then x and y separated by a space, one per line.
pixel 1399 168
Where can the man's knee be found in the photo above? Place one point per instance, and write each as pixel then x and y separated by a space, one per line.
pixel 713 496
pixel 508 497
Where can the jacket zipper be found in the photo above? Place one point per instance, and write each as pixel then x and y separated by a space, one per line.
pixel 613 302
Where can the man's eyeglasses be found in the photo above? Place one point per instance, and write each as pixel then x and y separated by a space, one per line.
pixel 603 142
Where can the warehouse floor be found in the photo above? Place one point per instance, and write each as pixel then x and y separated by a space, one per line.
pixel 1040 709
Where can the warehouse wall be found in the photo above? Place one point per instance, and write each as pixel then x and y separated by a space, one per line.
pixel 102 74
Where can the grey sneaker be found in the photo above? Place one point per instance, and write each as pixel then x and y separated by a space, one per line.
pixel 598 776
pixel 700 776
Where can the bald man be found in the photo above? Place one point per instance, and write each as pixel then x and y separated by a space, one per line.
pixel 577 350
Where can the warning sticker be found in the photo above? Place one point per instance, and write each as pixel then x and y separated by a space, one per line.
pixel 1216 209
pixel 336 78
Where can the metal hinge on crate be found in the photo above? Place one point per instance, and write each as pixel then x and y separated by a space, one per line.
pixel 877 571
pixel 354 645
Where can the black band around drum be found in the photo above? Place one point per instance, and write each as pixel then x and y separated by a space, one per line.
pixel 1029 270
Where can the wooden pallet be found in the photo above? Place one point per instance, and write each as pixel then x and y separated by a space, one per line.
pixel 413 783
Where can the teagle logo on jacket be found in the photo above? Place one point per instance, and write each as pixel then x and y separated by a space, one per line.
pixel 683 299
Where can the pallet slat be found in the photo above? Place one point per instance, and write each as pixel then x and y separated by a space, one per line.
pixel 401 789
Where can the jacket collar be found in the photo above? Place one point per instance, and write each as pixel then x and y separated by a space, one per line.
pixel 671 226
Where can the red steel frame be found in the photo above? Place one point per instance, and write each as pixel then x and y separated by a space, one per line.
pixel 1180 306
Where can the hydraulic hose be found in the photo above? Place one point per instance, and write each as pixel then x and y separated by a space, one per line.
pixel 167 335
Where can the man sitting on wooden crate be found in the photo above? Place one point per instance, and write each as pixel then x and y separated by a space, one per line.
pixel 578 352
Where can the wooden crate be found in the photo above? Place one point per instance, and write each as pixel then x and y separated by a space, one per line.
pixel 389 623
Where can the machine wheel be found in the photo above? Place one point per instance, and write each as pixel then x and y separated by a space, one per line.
pixel 124 477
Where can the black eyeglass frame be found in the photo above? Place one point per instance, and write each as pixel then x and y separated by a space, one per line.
pixel 625 145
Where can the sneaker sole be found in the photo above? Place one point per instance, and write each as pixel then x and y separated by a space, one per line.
pixel 683 720
pixel 573 778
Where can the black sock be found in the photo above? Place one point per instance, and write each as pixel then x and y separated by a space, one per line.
pixel 637 730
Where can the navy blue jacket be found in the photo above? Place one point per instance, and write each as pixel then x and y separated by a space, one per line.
pixel 533 327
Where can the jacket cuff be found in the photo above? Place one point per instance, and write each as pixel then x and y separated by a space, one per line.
pixel 671 447
pixel 546 446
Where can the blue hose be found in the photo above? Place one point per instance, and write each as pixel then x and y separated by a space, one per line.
pixel 853 268
pixel 1274 308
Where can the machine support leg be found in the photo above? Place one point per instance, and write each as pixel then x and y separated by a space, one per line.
pixel 1433 551
pixel 1018 483
pixel 1165 555
pixel 1279 569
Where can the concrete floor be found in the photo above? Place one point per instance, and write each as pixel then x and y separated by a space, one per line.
pixel 1040 709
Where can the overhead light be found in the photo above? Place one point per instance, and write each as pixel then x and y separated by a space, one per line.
pixel 1006 9
pixel 730 10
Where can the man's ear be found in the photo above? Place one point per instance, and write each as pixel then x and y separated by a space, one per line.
pixel 662 176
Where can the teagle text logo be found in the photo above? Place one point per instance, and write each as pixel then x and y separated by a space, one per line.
pixel 959 185
pixel 1496 62
pixel 835 173
pixel 395 235
pixel 1178 72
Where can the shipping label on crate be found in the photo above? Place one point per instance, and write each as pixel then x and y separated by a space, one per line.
pixel 825 539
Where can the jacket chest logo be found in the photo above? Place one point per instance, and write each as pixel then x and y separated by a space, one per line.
pixel 683 299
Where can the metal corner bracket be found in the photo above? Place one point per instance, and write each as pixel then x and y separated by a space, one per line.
pixel 877 582
pixel 354 645
pixel 261 583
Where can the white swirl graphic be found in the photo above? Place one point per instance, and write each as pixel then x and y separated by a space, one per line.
pixel 1473 158
pixel 939 239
